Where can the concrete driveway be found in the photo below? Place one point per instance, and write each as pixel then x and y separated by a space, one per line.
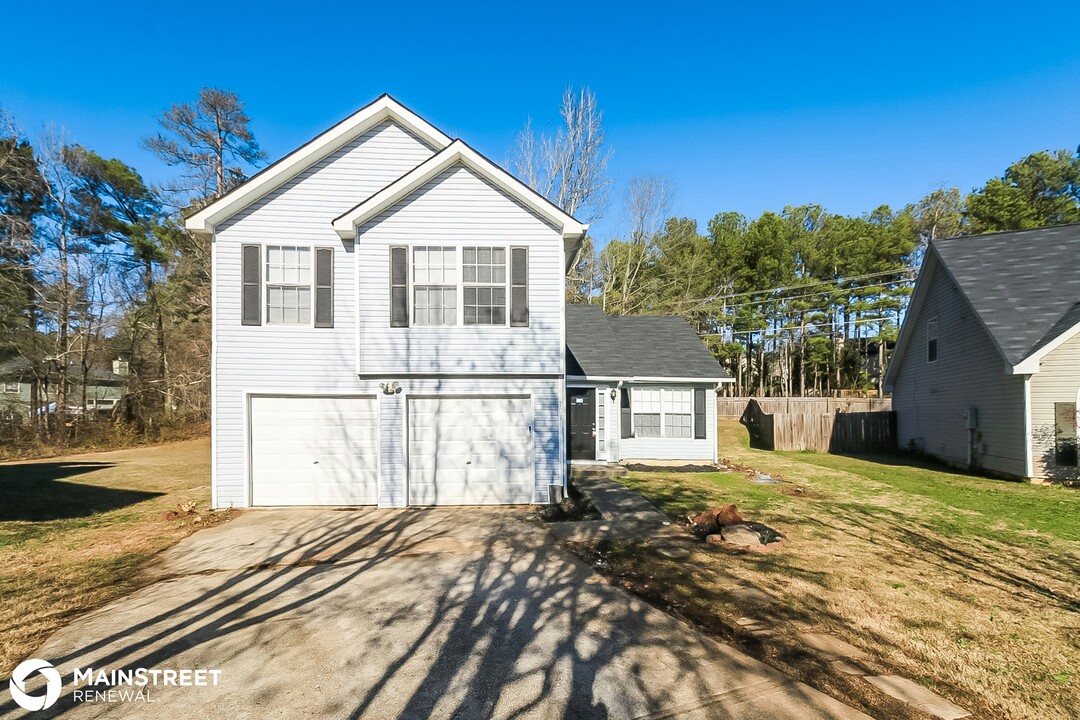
pixel 407 614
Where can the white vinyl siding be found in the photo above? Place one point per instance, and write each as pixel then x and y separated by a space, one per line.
pixel 930 399
pixel 284 358
pixel 463 210
pixel 1058 381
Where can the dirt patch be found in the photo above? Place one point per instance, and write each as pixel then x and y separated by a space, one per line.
pixel 689 468
pixel 575 507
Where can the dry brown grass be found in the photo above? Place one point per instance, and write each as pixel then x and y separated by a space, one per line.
pixel 75 530
pixel 981 606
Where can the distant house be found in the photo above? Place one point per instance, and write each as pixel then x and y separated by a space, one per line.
pixel 105 387
pixel 986 372
pixel 639 388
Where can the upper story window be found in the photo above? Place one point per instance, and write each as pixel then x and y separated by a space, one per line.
pixel 11 386
pixel 435 285
pixel 288 285
pixel 447 285
pixel 483 272
pixel 931 340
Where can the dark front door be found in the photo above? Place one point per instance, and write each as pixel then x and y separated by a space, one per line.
pixel 582 423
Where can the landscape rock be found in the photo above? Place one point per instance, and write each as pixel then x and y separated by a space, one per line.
pixel 740 534
pixel 716 539
pixel 710 521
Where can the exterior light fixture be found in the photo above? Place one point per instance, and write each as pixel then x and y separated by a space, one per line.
pixel 390 388
pixel 614 393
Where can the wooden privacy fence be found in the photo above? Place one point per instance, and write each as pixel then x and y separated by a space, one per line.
pixel 837 432
pixel 732 408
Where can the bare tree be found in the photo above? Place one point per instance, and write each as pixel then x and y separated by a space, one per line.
pixel 569 168
pixel 647 205
pixel 211 138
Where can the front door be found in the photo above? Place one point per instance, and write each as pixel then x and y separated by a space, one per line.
pixel 582 418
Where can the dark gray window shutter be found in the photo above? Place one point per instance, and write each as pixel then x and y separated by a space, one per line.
pixel 399 287
pixel 324 287
pixel 251 294
pixel 519 287
pixel 625 412
pixel 699 413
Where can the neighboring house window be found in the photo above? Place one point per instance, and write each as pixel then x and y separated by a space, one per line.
pixel 931 340
pixel 1065 434
pixel 288 285
pixel 11 387
pixel 435 286
pixel 483 273
pixel 663 412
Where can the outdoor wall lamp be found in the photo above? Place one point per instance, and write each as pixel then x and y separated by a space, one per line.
pixel 390 388
pixel 614 393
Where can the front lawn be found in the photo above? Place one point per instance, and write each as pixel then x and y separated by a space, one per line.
pixel 75 531
pixel 967 585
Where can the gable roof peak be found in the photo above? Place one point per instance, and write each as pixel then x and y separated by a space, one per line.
pixel 385 107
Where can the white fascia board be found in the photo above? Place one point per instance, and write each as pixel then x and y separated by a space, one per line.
pixel 456 153
pixel 697 380
pixel 1030 364
pixel 384 108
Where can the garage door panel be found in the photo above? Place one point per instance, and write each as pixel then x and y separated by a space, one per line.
pixel 465 451
pixel 314 451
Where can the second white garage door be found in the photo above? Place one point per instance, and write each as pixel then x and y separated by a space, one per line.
pixel 314 451
pixel 470 451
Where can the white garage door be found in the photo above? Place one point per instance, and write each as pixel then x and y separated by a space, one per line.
pixel 470 451
pixel 314 451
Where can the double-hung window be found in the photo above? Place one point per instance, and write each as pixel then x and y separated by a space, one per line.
pixel 11 386
pixel 288 285
pixel 483 273
pixel 435 285
pixel 663 412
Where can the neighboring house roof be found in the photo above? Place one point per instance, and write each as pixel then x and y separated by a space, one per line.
pixel 635 346
pixel 19 367
pixel 384 107
pixel 1024 287
pixel 459 153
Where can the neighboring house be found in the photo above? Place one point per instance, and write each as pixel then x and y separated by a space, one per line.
pixel 388 325
pixel 105 387
pixel 986 372
pixel 639 388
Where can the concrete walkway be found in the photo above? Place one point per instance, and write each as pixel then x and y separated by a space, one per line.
pixel 464 613
pixel 626 513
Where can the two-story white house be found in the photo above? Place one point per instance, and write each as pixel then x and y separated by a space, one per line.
pixel 388 325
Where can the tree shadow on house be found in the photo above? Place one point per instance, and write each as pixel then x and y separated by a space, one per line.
pixel 36 492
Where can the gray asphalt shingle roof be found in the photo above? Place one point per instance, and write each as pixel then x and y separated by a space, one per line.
pixel 599 345
pixel 1025 285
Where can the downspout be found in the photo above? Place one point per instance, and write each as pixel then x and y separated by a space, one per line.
pixel 716 439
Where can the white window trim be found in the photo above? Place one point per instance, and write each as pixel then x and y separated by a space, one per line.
pixel 264 261
pixel 11 387
pixel 663 414
pixel 459 285
pixel 412 285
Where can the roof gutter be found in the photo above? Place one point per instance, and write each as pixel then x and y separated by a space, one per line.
pixel 622 379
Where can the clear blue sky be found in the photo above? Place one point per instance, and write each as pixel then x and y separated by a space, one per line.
pixel 745 106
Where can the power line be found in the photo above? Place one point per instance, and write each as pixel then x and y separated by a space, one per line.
pixel 816 283
pixel 749 303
